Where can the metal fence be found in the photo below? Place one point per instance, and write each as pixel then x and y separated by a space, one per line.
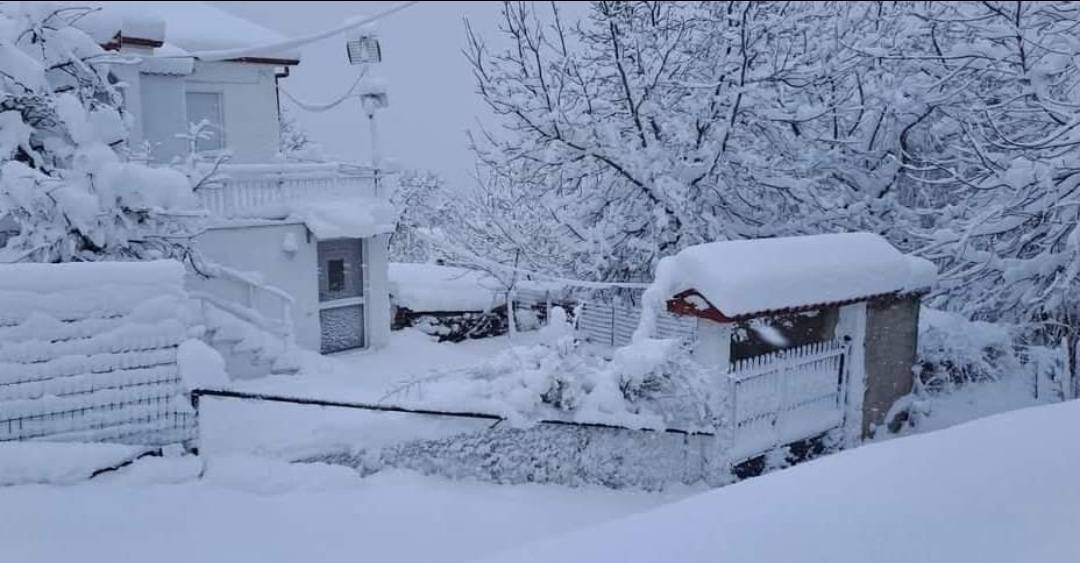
pixel 610 324
pixel 137 400
pixel 94 360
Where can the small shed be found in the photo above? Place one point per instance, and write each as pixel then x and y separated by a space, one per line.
pixel 755 299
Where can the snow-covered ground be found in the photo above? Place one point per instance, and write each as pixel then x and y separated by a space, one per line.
pixel 997 490
pixel 369 375
pixel 247 509
pixel 994 490
pixel 1007 475
pixel 391 374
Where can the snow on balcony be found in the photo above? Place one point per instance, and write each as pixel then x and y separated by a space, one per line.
pixel 248 190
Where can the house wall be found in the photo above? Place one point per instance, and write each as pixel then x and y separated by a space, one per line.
pixel 252 128
pixel 377 297
pixel 892 331
pixel 249 95
pixel 261 249
pixel 162 115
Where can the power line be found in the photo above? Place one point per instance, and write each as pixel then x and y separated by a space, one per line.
pixel 351 23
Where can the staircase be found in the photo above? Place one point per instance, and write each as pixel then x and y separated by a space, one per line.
pixel 249 351
pixel 252 343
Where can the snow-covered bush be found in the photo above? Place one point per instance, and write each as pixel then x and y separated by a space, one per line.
pixel 64 180
pixel 955 351
pixel 648 384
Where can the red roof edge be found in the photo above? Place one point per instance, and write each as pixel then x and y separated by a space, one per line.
pixel 680 305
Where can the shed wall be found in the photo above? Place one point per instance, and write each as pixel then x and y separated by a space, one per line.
pixel 892 331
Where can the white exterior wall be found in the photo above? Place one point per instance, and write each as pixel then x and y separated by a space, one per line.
pixel 852 324
pixel 249 95
pixel 377 293
pixel 162 115
pixel 712 344
pixel 250 109
pixel 261 249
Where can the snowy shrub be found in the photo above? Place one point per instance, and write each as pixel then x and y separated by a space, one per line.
pixel 64 181
pixel 954 351
pixel 650 384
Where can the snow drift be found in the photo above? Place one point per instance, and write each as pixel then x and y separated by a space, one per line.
pixel 994 491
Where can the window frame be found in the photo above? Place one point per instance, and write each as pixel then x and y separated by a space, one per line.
pixel 219 128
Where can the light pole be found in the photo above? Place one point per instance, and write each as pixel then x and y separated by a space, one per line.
pixel 364 50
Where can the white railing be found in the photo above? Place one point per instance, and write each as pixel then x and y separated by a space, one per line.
pixel 241 190
pixel 787 396
pixel 246 297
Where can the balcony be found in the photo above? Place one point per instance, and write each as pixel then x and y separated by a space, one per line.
pixel 245 190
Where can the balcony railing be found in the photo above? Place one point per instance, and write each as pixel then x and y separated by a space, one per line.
pixel 241 190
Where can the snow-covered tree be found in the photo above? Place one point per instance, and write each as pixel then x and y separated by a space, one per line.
pixel 64 183
pixel 650 126
pixel 424 207
pixel 995 164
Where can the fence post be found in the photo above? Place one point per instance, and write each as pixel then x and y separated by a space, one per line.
pixel 780 421
pixel 613 324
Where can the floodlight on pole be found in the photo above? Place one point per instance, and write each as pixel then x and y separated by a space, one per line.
pixel 363 49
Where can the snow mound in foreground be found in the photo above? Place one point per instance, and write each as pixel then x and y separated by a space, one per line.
pixel 998 490
pixel 59 463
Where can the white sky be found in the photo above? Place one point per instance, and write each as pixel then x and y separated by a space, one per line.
pixel 432 93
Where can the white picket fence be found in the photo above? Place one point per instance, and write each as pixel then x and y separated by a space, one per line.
pixel 787 396
pixel 613 325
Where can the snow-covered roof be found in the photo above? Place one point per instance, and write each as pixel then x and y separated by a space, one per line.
pixel 168 59
pixel 330 218
pixel 747 277
pixel 357 217
pixel 193 26
pixel 431 288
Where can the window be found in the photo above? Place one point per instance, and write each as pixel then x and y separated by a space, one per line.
pixel 207 107
pixel 341 269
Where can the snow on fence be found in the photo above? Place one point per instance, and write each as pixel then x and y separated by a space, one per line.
pixel 776 400
pixel 613 325
pixel 241 188
pixel 786 396
pixel 88 352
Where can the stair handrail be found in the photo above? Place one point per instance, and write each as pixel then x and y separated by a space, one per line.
pixel 248 312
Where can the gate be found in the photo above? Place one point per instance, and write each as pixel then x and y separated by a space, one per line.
pixel 787 396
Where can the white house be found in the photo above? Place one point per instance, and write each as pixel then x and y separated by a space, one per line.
pixel 298 242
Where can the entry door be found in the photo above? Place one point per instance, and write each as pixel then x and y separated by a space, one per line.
pixel 341 294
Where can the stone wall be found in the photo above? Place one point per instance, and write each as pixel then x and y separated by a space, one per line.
pixel 892 331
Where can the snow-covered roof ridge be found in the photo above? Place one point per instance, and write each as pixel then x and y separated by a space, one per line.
pixel 191 26
pixel 745 277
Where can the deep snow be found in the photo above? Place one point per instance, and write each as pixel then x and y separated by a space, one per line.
pixel 256 510
pixel 997 490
